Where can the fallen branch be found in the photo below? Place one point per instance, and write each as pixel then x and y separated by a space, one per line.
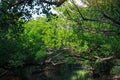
pixel 103 59
pixel 4 73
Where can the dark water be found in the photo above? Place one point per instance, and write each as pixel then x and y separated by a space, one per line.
pixel 59 72
pixel 63 72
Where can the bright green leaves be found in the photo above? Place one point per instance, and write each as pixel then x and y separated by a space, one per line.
pixel 50 34
pixel 41 52
pixel 56 33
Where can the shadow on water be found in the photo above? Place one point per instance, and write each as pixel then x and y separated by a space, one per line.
pixel 58 72
pixel 62 72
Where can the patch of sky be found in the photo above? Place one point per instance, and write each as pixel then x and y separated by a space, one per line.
pixel 80 3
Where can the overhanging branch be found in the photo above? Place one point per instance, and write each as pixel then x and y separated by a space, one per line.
pixel 104 59
pixel 57 3
pixel 113 22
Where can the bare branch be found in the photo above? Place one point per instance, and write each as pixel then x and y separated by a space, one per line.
pixel 4 73
pixel 104 59
pixel 53 63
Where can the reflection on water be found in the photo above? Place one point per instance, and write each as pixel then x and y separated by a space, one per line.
pixel 63 72
pixel 58 72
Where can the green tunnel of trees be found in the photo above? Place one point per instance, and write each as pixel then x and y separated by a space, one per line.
pixel 84 34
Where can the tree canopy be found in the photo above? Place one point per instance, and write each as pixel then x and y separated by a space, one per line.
pixel 87 34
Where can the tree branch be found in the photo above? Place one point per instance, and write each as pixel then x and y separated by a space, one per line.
pixel 96 20
pixel 104 59
pixel 4 73
pixel 106 15
pixel 105 32
pixel 57 3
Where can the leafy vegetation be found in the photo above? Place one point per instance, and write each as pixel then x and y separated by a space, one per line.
pixel 76 35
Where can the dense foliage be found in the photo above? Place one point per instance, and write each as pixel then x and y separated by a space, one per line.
pixel 87 35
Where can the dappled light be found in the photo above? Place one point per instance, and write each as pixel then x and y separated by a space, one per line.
pixel 59 40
